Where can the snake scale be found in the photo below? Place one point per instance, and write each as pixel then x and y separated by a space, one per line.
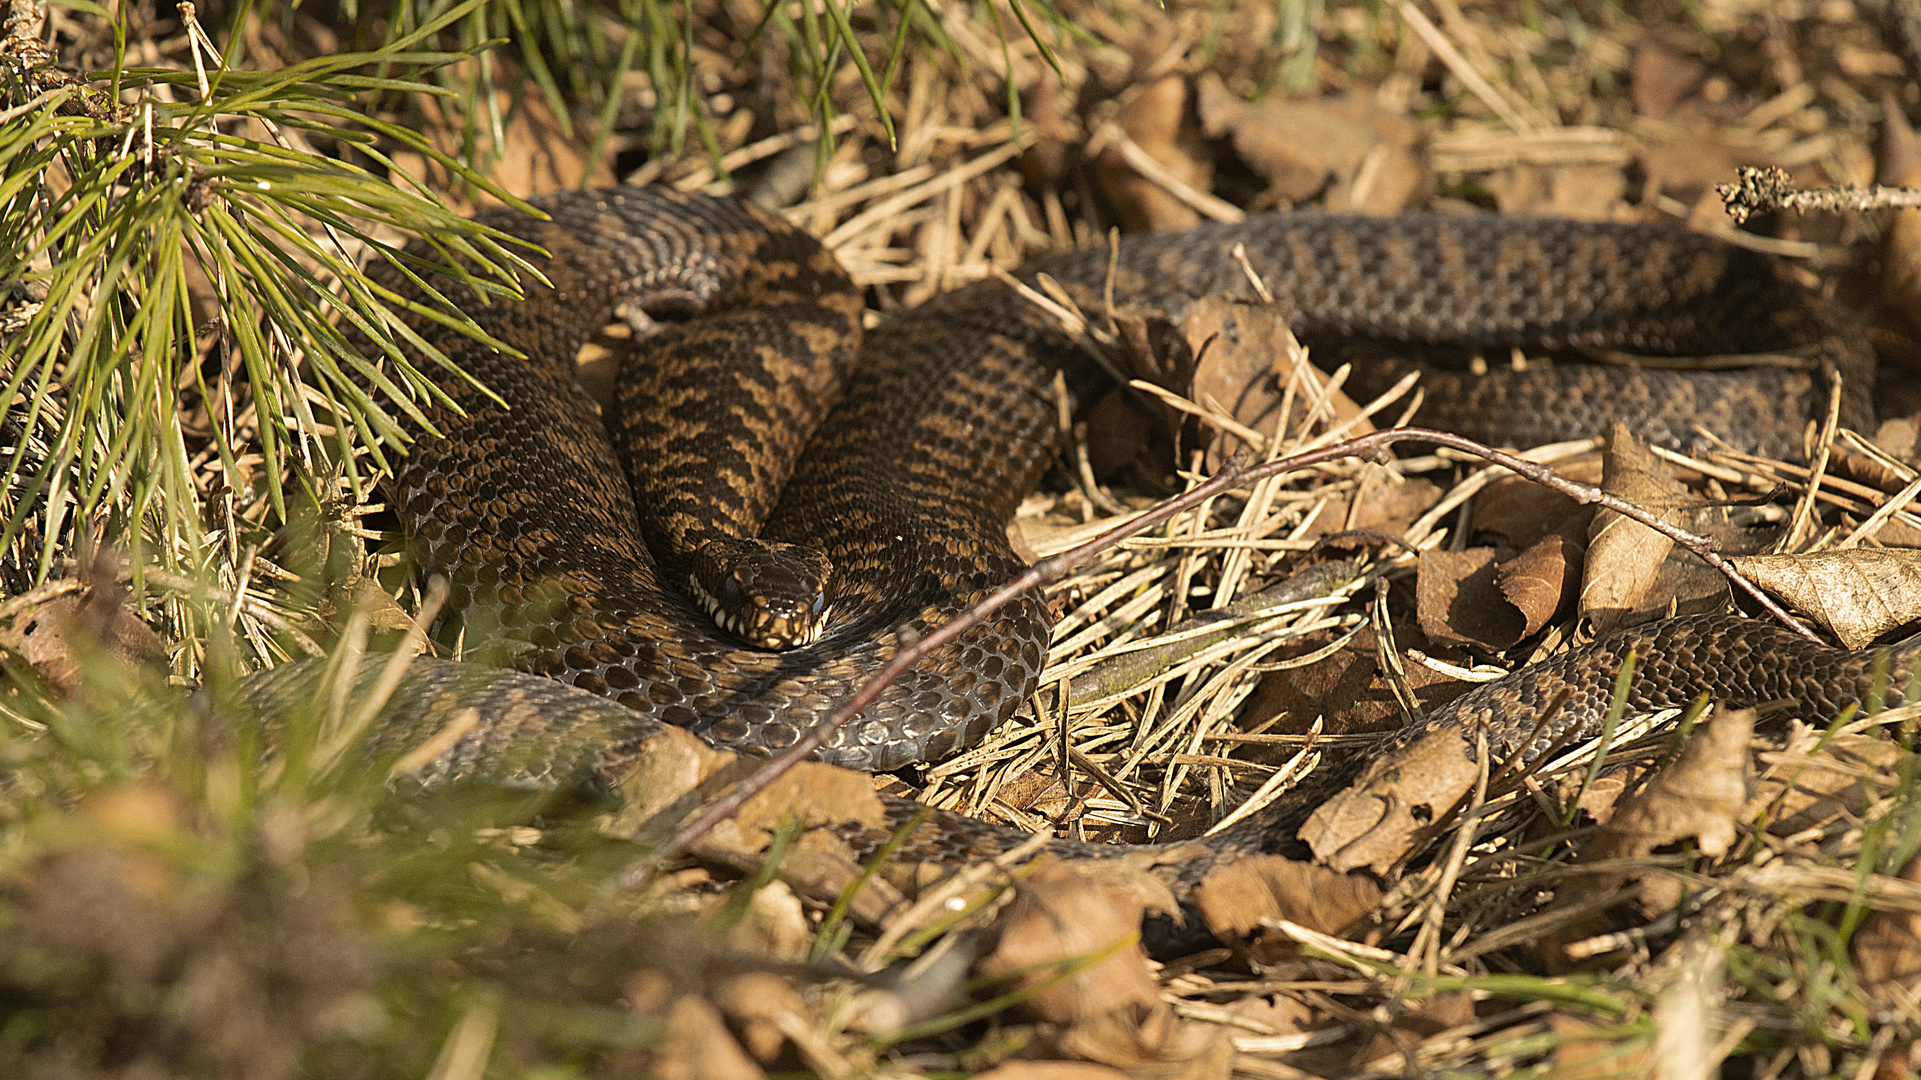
pixel 732 425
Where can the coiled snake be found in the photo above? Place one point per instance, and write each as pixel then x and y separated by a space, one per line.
pixel 948 416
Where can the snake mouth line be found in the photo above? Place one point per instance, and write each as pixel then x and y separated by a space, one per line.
pixel 761 631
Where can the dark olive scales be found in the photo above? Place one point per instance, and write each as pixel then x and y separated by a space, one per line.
pixel 906 487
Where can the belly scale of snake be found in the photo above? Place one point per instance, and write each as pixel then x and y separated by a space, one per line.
pixel 912 475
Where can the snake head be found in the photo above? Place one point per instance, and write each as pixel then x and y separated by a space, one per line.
pixel 769 595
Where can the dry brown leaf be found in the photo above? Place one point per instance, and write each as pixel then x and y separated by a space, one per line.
pixel 1661 78
pixel 1244 355
pixel 1516 513
pixel 1856 594
pixel 1623 555
pixel 1540 582
pixel 1303 148
pixel 1155 116
pixel 1586 192
pixel 1110 1011
pixel 1901 257
pixel 1430 1018
pixel 1237 900
pixel 1059 916
pixel 1699 797
pixel 1389 506
pixel 1459 602
pixel 1820 777
pixel 58 636
pixel 1887 949
pixel 758 1003
pixel 697 1046
pixel 1371 823
pixel 668 776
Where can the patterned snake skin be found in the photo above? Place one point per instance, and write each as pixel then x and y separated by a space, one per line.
pixel 949 416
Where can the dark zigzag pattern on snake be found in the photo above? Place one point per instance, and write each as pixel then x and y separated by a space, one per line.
pixel 910 479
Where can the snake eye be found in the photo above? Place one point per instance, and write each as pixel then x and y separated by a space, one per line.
pixel 730 589
pixel 820 604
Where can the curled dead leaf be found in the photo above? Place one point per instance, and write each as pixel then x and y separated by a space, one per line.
pixel 1245 356
pixel 62 634
pixel 1459 601
pixel 1360 154
pixel 1061 919
pixel 1700 797
pixel 1373 822
pixel 1623 555
pixel 1857 594
pixel 1237 900
pixel 1540 581
pixel 1887 949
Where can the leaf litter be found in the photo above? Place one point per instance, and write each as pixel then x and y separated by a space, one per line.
pixel 1448 971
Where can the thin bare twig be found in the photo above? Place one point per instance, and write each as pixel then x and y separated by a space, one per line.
pixel 1373 447
pixel 1761 190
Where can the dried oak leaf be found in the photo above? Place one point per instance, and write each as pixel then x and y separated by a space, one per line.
pixel 1856 594
pixel 1699 797
pixel 1245 356
pixel 1901 165
pixel 696 1046
pixel 1623 555
pixel 1459 602
pixel 1820 776
pixel 1361 155
pixel 1239 899
pixel 1060 916
pixel 59 636
pixel 1373 821
pixel 1111 1010
pixel 1154 114
pixel 1887 949
pixel 1540 582
pixel 1431 1017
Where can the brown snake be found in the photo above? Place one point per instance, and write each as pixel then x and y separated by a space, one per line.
pixel 908 483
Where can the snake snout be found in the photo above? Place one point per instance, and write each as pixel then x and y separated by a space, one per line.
pixel 768 595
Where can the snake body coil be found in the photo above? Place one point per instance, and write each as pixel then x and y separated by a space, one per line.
pixel 732 429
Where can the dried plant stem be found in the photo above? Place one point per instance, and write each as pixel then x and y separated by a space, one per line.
pixel 1373 446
